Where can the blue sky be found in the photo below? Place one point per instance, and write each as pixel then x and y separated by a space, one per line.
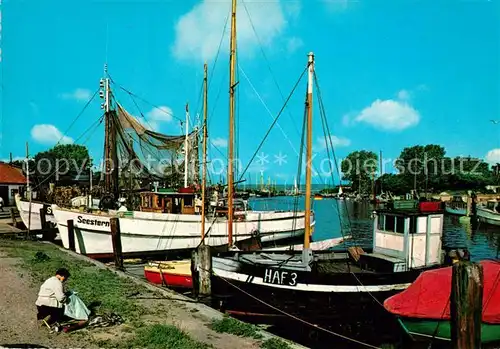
pixel 392 73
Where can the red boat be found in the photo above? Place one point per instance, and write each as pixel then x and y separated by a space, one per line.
pixel 175 274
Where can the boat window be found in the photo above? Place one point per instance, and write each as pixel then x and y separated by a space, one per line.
pixel 490 205
pixel 400 225
pixel 389 223
pixel 381 222
pixel 188 201
pixel 413 225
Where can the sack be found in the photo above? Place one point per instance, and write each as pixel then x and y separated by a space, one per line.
pixel 75 308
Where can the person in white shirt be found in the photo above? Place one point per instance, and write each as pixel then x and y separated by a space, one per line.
pixel 1 203
pixel 51 298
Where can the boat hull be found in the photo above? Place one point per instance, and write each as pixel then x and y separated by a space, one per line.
pixel 145 233
pixel 175 274
pixel 456 211
pixel 425 329
pixel 34 223
pixel 326 301
pixel 488 216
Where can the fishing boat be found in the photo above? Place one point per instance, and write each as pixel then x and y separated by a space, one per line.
pixel 456 206
pixel 177 274
pixel 330 288
pixel 489 213
pixel 423 309
pixel 34 222
pixel 167 219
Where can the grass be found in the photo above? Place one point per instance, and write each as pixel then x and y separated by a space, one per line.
pixel 275 343
pixel 162 337
pixel 94 286
pixel 236 327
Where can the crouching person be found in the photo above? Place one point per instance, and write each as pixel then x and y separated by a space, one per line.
pixel 51 299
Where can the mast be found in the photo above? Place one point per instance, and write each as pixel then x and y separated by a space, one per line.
pixel 307 228
pixel 204 171
pixel 28 186
pixel 232 85
pixel 186 148
pixel 110 154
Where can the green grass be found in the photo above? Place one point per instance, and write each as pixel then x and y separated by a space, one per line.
pixel 162 337
pixel 236 327
pixel 275 343
pixel 94 285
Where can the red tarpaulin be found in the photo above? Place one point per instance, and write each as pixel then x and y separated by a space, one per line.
pixel 429 295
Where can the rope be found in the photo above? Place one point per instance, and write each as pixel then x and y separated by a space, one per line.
pixel 297 318
pixel 274 122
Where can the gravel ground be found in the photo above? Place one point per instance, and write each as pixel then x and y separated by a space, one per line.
pixel 18 324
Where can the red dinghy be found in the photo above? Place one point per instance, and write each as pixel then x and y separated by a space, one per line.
pixel 424 308
pixel 172 273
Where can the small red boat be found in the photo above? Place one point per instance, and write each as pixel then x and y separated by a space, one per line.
pixel 175 274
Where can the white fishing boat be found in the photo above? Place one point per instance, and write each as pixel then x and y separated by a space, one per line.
pixel 156 232
pixel 34 223
pixel 489 213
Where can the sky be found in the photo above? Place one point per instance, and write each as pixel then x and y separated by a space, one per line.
pixel 391 74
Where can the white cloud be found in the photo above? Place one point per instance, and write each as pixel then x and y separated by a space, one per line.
pixel 293 44
pixel 219 142
pixel 493 156
pixel 335 141
pixel 49 135
pixel 389 115
pixel 403 95
pixel 80 95
pixel 198 32
pixel 156 116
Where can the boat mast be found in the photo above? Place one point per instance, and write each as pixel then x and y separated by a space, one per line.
pixel 186 150
pixel 307 254
pixel 110 154
pixel 232 85
pixel 204 171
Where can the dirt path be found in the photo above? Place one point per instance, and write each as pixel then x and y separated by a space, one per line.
pixel 18 324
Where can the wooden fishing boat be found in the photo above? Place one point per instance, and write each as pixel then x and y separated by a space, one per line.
pixel 423 309
pixel 175 274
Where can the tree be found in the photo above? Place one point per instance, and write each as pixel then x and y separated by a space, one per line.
pixel 359 167
pixel 394 183
pixel 62 159
pixel 421 165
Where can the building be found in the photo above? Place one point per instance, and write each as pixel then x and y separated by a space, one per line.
pixel 12 181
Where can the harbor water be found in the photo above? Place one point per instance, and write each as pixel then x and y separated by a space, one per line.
pixel 335 218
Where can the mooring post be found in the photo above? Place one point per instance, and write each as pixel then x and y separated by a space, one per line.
pixel 194 273
pixel 117 242
pixel 43 219
pixel 71 235
pixel 466 305
pixel 205 269
pixel 13 217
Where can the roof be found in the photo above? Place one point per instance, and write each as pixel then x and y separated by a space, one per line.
pixel 11 175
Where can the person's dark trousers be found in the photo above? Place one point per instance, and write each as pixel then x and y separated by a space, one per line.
pixel 56 314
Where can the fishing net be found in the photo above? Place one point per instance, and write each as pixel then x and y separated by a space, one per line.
pixel 147 154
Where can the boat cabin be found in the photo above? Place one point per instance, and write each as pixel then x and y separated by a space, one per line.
pixel 406 238
pixel 493 205
pixel 169 201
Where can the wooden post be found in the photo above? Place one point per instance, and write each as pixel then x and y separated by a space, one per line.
pixel 466 305
pixel 13 217
pixel 71 235
pixel 43 220
pixel 194 273
pixel 204 270
pixel 117 242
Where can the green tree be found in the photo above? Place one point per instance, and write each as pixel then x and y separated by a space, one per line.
pixel 421 166
pixel 394 183
pixel 359 167
pixel 62 159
